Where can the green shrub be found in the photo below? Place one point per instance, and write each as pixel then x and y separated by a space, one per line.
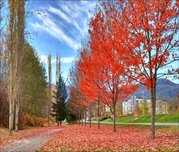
pixel 104 118
pixel 71 118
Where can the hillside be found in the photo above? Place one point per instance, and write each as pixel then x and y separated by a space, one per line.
pixel 165 90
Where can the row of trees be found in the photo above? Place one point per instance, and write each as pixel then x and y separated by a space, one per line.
pixel 22 76
pixel 131 43
pixel 24 93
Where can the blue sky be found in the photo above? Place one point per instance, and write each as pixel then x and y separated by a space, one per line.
pixel 58 27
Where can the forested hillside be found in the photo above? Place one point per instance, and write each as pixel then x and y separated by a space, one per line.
pixel 165 90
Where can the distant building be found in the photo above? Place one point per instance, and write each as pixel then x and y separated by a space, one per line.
pixel 129 106
pixel 104 110
pixel 107 108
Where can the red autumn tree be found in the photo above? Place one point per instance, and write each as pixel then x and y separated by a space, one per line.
pixel 75 98
pixel 87 84
pixel 147 31
pixel 106 69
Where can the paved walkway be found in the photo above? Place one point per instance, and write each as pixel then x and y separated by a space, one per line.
pixel 157 123
pixel 29 144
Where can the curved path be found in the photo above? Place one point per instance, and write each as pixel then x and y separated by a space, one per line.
pixel 30 144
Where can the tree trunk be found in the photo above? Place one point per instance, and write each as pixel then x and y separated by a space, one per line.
pixel 11 113
pixel 11 104
pixel 49 88
pixel 16 90
pixel 11 66
pixel 90 116
pixel 114 117
pixel 153 106
pixel 17 117
pixel 85 117
pixel 98 116
pixel 19 60
pixel 16 52
pixel 82 119
pixel 79 118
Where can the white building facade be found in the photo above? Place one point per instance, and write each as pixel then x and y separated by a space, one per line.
pixel 129 106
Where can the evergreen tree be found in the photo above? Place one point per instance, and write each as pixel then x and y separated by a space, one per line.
pixel 35 85
pixel 59 108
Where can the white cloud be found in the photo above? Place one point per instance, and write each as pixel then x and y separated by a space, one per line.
pixel 44 59
pixel 67 60
pixel 78 13
pixel 49 26
pixel 73 25
pixel 67 18
pixel 60 13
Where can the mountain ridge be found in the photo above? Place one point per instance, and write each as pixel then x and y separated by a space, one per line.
pixel 166 89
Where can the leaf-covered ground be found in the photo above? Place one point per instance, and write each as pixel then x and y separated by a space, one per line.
pixel 83 138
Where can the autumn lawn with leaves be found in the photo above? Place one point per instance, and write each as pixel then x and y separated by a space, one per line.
pixel 127 138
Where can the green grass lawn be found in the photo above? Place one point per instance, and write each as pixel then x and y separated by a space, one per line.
pixel 142 119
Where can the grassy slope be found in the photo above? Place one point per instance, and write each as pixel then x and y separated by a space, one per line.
pixel 143 119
